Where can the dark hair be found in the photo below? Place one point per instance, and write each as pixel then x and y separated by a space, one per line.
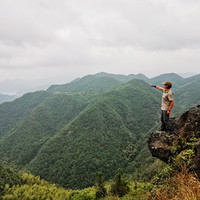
pixel 169 86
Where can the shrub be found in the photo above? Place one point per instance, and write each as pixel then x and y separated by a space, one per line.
pixel 83 195
pixel 120 187
pixel 183 185
pixel 100 185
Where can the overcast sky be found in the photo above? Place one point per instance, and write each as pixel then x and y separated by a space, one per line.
pixel 65 39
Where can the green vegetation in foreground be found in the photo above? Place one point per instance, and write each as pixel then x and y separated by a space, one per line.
pixel 8 176
pixel 34 188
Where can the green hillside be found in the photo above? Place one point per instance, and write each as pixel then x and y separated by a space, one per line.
pixel 123 78
pixel 97 83
pixel 174 78
pixel 89 84
pixel 187 95
pixel 97 139
pixel 7 98
pixel 97 123
pixel 192 78
pixel 11 113
pixel 8 176
pixel 22 143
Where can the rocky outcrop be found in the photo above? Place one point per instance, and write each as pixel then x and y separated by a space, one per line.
pixel 182 143
pixel 160 144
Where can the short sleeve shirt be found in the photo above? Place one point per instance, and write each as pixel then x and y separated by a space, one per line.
pixel 166 99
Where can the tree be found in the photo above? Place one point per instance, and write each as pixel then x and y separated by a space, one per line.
pixel 120 186
pixel 101 190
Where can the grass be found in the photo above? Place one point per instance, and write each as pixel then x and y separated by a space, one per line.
pixel 183 185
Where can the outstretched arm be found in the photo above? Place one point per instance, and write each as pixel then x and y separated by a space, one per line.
pixel 157 87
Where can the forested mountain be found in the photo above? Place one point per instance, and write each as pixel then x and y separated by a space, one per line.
pixel 123 78
pixel 7 98
pixel 104 82
pixel 8 176
pixel 22 143
pixel 97 123
pixel 11 113
pixel 174 78
pixel 188 95
pixel 98 83
pixel 98 137
pixel 89 84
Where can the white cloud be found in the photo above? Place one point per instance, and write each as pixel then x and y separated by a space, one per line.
pixel 47 38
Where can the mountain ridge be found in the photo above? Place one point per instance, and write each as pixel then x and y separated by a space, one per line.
pixel 39 129
pixel 7 98
pixel 111 128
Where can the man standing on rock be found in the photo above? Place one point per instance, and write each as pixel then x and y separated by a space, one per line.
pixel 167 104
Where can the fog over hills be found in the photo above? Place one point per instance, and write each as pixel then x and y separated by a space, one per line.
pixel 19 87
pixel 12 89
pixel 7 98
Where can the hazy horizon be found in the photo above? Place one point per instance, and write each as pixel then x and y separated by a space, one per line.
pixel 20 86
pixel 62 40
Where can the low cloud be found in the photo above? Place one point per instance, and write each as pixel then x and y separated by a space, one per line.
pixel 74 36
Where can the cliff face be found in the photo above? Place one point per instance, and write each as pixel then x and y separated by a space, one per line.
pixel 182 144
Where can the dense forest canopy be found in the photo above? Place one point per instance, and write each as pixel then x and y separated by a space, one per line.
pixel 97 123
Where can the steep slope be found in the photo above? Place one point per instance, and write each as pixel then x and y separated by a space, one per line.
pixel 174 78
pixel 11 113
pixel 123 78
pixel 7 98
pixel 97 139
pixel 103 133
pixel 8 176
pixel 89 84
pixel 22 143
pixel 97 83
pixel 187 95
pixel 192 78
